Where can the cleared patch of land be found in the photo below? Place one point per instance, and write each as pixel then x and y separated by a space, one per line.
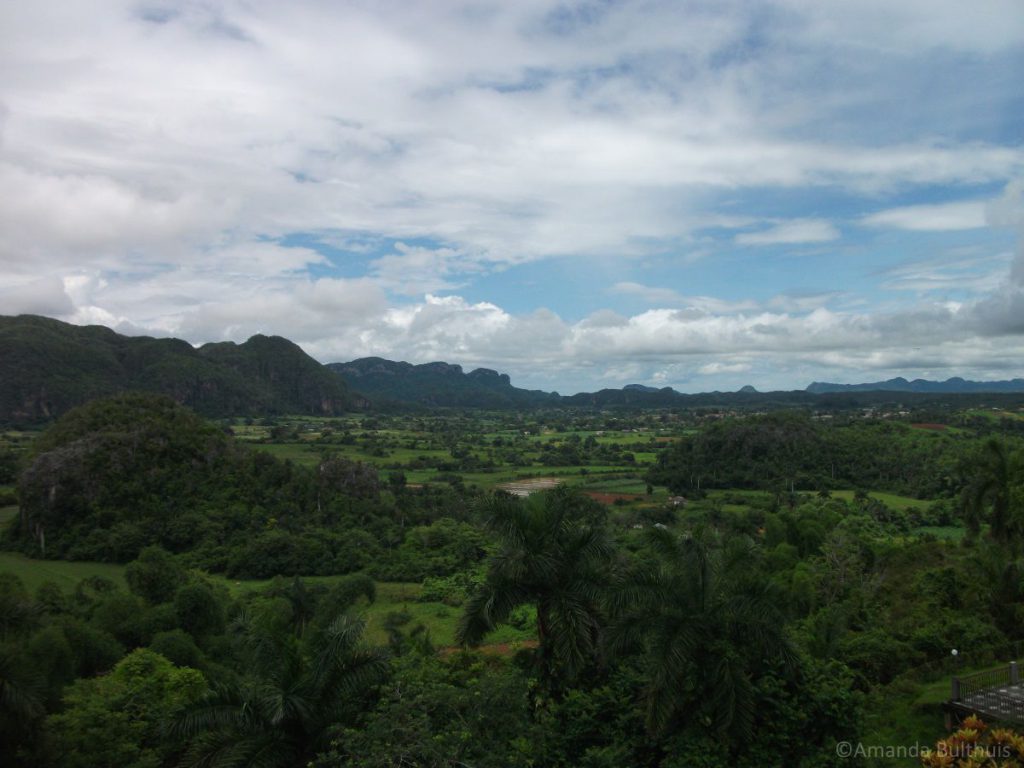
pixel 890 500
pixel 530 485
pixel 63 573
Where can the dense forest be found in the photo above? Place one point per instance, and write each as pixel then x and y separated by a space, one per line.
pixel 806 573
pixel 50 367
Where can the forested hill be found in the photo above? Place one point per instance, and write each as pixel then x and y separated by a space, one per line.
pixel 438 384
pixel 49 367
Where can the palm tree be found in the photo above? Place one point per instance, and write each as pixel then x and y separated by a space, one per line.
pixel 281 713
pixel 553 552
pixel 991 470
pixel 704 627
pixel 21 704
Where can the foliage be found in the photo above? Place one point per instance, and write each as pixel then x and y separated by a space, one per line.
pixel 706 626
pixel 465 711
pixel 115 720
pixel 51 366
pixel 975 745
pixel 789 450
pixel 154 576
pixel 280 712
pixel 554 553
pixel 994 492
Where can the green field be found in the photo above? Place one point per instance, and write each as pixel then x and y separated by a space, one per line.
pixel 439 619
pixel 890 500
pixel 65 574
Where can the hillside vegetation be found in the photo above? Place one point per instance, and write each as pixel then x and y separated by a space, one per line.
pixel 50 367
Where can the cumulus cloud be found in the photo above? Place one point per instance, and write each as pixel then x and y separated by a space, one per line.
pixel 157 162
pixel 487 131
pixel 45 296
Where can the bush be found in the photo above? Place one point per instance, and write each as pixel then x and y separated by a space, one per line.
pixel 178 647
pixel 155 576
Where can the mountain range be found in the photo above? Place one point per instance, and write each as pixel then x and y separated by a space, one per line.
pixel 48 367
pixel 955 385
pixel 437 384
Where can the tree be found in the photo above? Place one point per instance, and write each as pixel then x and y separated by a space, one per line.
pixel 22 694
pixel 554 553
pixel 281 712
pixel 116 720
pixel 17 610
pixel 155 576
pixel 198 610
pixel 990 488
pixel 704 624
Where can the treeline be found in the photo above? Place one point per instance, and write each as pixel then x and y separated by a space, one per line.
pixel 117 475
pixel 730 631
pixel 646 655
pixel 791 450
pixel 749 640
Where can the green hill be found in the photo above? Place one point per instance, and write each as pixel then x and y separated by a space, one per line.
pixel 438 384
pixel 49 367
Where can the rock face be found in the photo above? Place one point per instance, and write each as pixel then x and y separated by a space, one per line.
pixel 48 367
pixel 437 384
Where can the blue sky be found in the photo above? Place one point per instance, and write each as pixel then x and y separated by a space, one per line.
pixel 691 194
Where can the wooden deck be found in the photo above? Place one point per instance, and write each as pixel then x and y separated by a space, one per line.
pixel 995 695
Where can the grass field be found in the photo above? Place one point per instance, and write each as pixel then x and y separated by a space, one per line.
pixel 65 574
pixel 890 500
pixel 439 619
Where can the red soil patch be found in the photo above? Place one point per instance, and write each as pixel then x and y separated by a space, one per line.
pixel 610 498
pixel 936 427
pixel 493 649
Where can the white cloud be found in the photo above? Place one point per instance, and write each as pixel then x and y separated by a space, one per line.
pixel 153 158
pixel 43 296
pixel 485 129
pixel 792 233
pixel 944 217
pixel 649 294
pixel 971 274
pixel 666 297
pixel 717 368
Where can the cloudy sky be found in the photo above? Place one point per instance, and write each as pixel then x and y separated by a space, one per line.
pixel 700 194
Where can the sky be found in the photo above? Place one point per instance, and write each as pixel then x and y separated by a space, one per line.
pixel 697 194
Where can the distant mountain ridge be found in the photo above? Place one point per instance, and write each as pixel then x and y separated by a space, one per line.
pixel 47 367
pixel 955 385
pixel 437 385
